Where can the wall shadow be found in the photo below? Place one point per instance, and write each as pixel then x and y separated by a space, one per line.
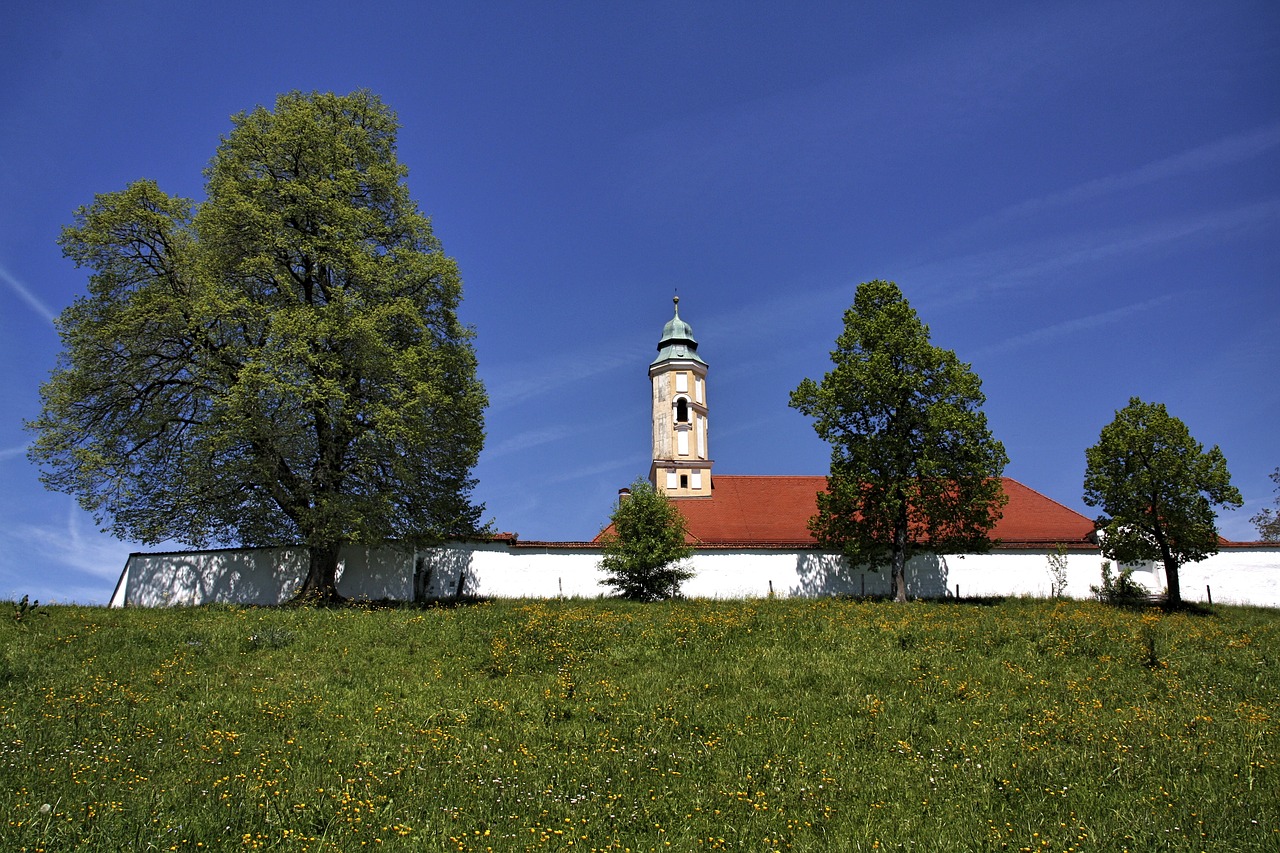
pixel 444 574
pixel 824 574
pixel 249 576
pixel 927 576
pixel 375 574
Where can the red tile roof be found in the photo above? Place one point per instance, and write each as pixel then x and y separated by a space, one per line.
pixel 758 511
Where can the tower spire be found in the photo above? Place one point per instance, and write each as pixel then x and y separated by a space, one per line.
pixel 681 465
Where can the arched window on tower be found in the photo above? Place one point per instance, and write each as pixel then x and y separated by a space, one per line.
pixel 682 411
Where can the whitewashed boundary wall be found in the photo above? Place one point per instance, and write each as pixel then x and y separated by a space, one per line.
pixel 265 576
pixel 1238 574
pixel 255 576
pixel 504 569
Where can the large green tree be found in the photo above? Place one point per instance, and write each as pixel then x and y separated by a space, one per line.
pixel 280 363
pixel 1268 518
pixel 644 545
pixel 914 467
pixel 1157 487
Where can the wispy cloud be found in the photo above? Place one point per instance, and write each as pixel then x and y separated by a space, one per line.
pixel 816 139
pixel 1071 327
pixel 27 296
pixel 528 439
pixel 1214 155
pixel 1204 158
pixel 13 452
pixel 968 277
pixel 536 379
pixel 607 467
pixel 81 564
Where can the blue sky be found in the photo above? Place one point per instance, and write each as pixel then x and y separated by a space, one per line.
pixel 1082 200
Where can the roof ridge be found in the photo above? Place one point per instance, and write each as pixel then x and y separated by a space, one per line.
pixel 772 476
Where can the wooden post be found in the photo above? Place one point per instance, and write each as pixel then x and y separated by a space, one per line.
pixel 771 587
pixel 957 591
pixel 1209 593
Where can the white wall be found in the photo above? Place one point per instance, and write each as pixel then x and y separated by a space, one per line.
pixel 499 569
pixel 496 570
pixel 249 576
pixel 256 576
pixel 749 572
pixel 1236 575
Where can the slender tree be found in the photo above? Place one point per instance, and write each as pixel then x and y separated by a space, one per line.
pixel 1268 518
pixel 1157 487
pixel 914 467
pixel 282 362
pixel 644 545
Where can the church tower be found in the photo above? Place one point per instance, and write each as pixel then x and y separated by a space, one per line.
pixel 681 465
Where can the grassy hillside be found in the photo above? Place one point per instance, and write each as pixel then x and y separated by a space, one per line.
pixel 761 725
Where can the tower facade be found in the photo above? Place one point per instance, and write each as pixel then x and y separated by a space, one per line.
pixel 681 463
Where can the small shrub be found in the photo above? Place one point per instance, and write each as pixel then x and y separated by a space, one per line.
pixel 1058 571
pixel 644 548
pixel 25 609
pixel 1119 588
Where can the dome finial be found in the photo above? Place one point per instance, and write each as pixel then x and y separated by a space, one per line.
pixel 677 339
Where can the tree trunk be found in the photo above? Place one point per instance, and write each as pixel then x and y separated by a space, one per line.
pixel 1174 599
pixel 321 585
pixel 900 561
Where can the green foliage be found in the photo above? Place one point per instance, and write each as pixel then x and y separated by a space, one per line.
pixel 1058 571
pixel 914 467
pixel 1268 519
pixel 1119 587
pixel 282 362
pixel 1157 487
pixel 644 546
pixel 756 725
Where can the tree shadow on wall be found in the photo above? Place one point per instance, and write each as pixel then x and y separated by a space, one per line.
pixel 444 575
pixel 374 573
pixel 243 576
pixel 821 574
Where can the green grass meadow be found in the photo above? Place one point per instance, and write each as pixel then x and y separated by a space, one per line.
pixel 602 725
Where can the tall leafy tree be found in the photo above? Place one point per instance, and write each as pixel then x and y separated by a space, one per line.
pixel 914 467
pixel 644 545
pixel 282 362
pixel 1157 487
pixel 1268 518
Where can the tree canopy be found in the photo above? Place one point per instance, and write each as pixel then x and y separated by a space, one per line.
pixel 280 363
pixel 1157 487
pixel 1268 518
pixel 914 467
pixel 644 545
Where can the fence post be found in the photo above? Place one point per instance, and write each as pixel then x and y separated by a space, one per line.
pixel 1209 593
